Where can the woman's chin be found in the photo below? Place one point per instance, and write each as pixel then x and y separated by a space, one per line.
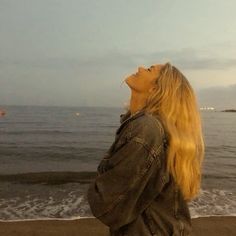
pixel 130 78
pixel 131 81
pixel 128 82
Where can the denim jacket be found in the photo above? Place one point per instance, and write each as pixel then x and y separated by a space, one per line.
pixel 132 193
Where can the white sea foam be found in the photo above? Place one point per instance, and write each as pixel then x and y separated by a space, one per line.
pixel 213 202
pixel 71 203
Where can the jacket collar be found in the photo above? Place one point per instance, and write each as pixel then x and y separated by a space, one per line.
pixel 126 117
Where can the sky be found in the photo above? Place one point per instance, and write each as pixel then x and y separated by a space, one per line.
pixel 78 52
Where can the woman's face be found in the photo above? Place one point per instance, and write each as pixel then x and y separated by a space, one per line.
pixel 144 79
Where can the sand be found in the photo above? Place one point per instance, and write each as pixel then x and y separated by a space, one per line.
pixel 209 226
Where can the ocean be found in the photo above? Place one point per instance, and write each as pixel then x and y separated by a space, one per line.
pixel 48 156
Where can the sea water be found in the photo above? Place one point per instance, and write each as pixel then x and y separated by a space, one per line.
pixel 49 155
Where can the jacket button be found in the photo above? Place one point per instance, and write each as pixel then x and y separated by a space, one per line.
pixel 163 179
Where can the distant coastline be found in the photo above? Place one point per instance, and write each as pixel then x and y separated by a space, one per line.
pixel 213 109
pixel 229 110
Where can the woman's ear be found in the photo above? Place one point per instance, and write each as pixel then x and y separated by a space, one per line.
pixel 152 89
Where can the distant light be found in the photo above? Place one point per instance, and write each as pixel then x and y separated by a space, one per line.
pixel 207 108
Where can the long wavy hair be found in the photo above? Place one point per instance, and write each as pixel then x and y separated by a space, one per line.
pixel 175 103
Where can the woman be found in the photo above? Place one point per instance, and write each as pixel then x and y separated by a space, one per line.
pixel 153 168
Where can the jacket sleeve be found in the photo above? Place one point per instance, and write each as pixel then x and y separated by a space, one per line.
pixel 117 196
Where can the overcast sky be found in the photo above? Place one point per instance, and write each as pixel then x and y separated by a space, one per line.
pixel 78 52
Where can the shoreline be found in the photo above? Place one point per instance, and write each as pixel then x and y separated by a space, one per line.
pixel 92 217
pixel 90 226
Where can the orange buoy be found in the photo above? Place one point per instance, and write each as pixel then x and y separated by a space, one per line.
pixel 2 113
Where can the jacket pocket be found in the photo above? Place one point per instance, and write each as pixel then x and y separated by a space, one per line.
pixel 176 201
pixel 149 223
pixel 119 145
pixel 181 228
pixel 176 212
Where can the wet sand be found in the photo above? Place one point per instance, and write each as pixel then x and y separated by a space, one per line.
pixel 203 226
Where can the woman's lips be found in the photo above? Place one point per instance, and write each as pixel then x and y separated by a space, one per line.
pixel 134 74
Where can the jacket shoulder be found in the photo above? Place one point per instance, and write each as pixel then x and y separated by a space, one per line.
pixel 147 125
pixel 149 131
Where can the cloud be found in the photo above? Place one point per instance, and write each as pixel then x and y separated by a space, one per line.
pixel 220 97
pixel 192 59
pixel 112 59
pixel 186 58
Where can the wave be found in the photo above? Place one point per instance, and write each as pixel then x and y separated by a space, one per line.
pixel 212 176
pixel 62 177
pixel 50 177
pixel 23 122
pixel 92 217
pixel 46 219
pixel 70 201
pixel 21 132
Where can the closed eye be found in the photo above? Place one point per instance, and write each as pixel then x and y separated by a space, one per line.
pixel 150 69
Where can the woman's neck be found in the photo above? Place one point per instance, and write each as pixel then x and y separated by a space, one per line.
pixel 137 102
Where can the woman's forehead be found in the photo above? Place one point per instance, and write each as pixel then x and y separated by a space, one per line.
pixel 157 65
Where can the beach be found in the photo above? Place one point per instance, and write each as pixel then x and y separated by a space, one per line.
pixel 202 226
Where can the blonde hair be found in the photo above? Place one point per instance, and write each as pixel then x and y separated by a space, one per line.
pixel 174 101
